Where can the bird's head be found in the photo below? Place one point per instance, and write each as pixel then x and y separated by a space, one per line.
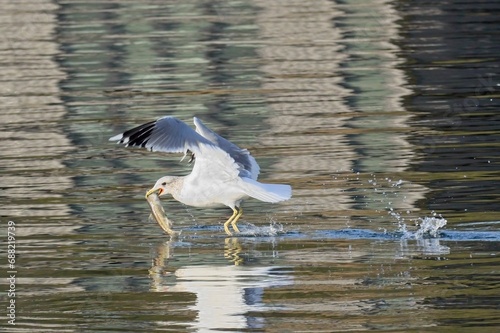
pixel 162 186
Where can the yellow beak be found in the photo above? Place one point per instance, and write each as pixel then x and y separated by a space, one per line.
pixel 153 190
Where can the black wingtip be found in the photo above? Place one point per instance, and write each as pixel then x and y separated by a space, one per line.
pixel 140 135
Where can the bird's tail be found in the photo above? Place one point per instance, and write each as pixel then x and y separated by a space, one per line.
pixel 266 192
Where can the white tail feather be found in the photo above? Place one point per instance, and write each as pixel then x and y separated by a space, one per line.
pixel 266 192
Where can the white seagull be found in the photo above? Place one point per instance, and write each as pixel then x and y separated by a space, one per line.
pixel 223 173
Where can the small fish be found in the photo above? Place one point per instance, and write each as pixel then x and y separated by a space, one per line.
pixel 159 214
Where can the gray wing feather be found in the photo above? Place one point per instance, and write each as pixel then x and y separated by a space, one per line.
pixel 170 135
pixel 167 134
pixel 241 156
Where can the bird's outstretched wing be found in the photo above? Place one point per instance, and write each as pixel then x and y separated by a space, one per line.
pixel 239 155
pixel 167 134
pixel 170 135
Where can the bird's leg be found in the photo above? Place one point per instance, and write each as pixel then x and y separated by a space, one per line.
pixel 236 218
pixel 226 224
pixel 184 156
pixel 191 156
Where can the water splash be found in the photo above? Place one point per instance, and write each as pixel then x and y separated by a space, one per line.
pixel 429 227
pixel 426 236
pixel 273 229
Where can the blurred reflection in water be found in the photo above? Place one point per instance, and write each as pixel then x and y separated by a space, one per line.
pixel 342 109
pixel 30 113
pixel 225 295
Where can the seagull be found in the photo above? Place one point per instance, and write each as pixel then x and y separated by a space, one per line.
pixel 223 173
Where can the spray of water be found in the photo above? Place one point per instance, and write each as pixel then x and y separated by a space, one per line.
pixel 426 236
pixel 273 229
pixel 429 227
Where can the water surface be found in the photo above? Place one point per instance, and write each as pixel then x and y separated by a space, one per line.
pixel 382 116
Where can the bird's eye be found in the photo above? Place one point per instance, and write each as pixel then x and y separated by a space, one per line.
pixel 164 183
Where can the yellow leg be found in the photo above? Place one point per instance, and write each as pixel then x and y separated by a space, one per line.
pixel 226 224
pixel 236 218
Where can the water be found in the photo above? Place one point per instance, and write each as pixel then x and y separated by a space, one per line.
pixel 382 116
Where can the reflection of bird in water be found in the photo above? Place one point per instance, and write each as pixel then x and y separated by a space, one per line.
pixel 226 296
pixel 223 173
pixel 232 251
pixel 158 264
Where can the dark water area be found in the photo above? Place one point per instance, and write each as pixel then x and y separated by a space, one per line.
pixel 383 116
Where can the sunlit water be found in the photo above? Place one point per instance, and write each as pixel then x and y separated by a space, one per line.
pixel 382 116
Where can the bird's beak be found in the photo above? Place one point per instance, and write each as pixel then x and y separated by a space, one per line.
pixel 153 190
